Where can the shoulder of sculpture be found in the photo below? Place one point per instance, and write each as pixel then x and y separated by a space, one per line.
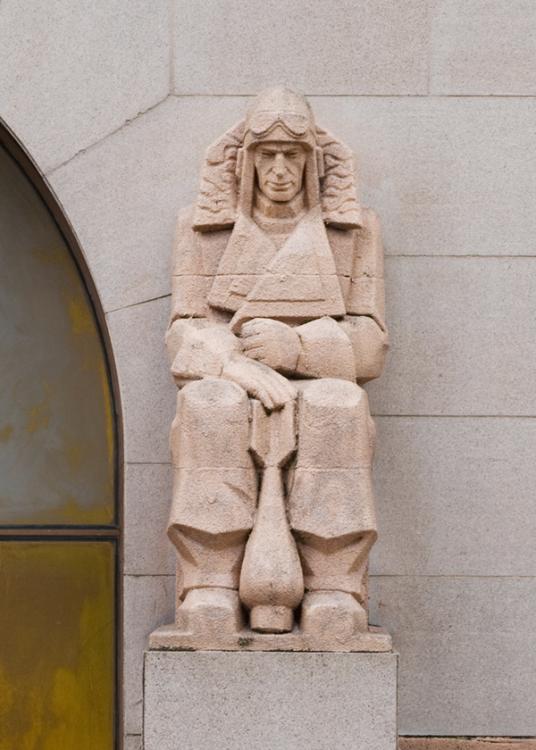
pixel 370 219
pixel 185 220
pixel 364 239
pixel 196 252
pixel 369 233
pixel 185 227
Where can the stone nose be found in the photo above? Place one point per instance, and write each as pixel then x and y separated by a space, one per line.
pixel 280 166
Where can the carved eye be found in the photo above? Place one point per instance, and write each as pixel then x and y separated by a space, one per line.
pixel 292 154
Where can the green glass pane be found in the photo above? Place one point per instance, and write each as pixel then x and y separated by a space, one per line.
pixel 56 417
pixel 57 660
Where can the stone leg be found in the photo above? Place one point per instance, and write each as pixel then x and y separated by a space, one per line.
pixel 331 506
pixel 214 495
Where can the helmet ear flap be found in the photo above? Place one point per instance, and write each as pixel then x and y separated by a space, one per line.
pixel 239 162
pixel 320 161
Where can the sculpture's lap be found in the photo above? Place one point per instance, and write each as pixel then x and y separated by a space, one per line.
pixel 330 503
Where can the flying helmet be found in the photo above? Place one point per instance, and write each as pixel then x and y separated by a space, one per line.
pixel 281 115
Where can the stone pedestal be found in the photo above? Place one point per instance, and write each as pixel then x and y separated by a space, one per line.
pixel 216 700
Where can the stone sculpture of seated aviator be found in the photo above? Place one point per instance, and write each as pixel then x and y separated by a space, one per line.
pixel 277 321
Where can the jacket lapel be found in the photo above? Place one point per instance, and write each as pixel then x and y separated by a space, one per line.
pixel 299 281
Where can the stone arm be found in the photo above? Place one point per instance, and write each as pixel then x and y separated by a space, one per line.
pixel 196 345
pixel 201 345
pixel 352 349
pixel 364 323
pixel 198 348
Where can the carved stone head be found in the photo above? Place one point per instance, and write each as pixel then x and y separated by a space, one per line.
pixel 280 150
pixel 307 157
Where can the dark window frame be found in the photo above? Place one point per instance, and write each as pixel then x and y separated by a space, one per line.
pixel 62 532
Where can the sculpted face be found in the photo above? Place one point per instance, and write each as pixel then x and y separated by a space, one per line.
pixel 280 168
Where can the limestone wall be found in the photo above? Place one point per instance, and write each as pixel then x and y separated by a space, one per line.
pixel 116 101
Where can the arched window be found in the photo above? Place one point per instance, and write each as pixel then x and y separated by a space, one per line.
pixel 59 480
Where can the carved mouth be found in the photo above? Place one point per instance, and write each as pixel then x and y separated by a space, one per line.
pixel 280 185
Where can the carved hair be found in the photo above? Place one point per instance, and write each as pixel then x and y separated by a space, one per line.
pixel 216 206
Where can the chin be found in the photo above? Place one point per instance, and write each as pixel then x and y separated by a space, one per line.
pixel 283 197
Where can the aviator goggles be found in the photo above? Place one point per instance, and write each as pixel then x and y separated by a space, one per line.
pixel 295 124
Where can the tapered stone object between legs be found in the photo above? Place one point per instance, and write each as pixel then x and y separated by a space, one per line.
pixel 271 581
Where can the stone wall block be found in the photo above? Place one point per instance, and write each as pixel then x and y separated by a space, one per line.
pixel 455 496
pixel 370 47
pixel 123 196
pixel 461 340
pixel 148 393
pixel 72 72
pixel 447 176
pixel 147 550
pixel 149 601
pixel 467 657
pixel 483 47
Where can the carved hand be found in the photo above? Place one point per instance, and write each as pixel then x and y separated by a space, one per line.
pixel 271 342
pixel 260 381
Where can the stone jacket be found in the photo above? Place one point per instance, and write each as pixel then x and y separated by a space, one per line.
pixel 213 281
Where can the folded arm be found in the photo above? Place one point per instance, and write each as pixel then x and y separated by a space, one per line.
pixel 201 349
pixel 351 349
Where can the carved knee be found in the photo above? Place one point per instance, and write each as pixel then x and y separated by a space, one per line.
pixel 334 425
pixel 213 392
pixel 211 427
pixel 333 392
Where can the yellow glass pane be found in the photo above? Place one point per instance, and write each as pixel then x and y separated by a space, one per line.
pixel 57 653
pixel 56 415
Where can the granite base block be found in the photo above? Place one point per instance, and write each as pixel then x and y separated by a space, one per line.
pixel 269 701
